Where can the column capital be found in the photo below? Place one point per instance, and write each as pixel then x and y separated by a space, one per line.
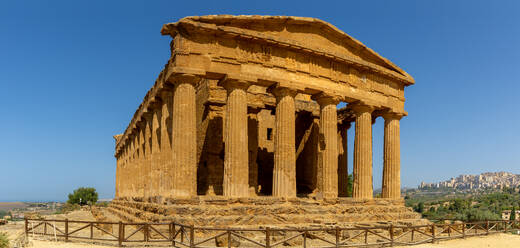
pixel 230 84
pixel 360 108
pixel 185 78
pixel 324 98
pixel 280 91
pixel 390 115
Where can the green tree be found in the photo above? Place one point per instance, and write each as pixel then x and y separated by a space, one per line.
pixel 83 196
pixel 513 214
pixel 419 207
pixel 349 185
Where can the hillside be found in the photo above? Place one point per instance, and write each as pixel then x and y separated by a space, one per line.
pixel 487 180
pixel 6 206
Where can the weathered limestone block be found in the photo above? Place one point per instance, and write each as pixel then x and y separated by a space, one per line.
pixel 329 146
pixel 343 160
pixel 252 128
pixel 166 165
pixel 284 173
pixel 392 157
pixel 184 135
pixel 236 162
pixel 146 170
pixel 221 139
pixel 155 158
pixel 362 187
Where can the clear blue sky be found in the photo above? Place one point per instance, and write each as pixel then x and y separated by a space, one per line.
pixel 72 73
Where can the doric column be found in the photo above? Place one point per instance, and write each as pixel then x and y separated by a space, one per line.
pixel 128 164
pixel 284 171
pixel 343 160
pixel 362 185
pixel 252 134
pixel 392 157
pixel 140 173
pixel 236 168
pixel 127 181
pixel 184 137
pixel 118 173
pixel 147 159
pixel 124 178
pixel 166 164
pixel 134 190
pixel 329 132
pixel 155 162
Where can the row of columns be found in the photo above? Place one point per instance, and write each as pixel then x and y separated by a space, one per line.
pixel 148 154
pixel 155 162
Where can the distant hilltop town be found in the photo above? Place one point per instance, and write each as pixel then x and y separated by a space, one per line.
pixel 488 180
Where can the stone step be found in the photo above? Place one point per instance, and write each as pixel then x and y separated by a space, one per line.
pixel 246 209
pixel 125 216
pixel 230 216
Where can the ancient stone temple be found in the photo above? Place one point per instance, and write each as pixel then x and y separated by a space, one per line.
pixel 242 127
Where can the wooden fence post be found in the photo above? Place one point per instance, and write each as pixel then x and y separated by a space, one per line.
pixel 337 236
pixel 192 237
pixel 145 231
pixel 267 238
pixel 67 230
pixel 305 239
pixel 228 237
pixel 464 230
pixel 487 227
pixel 433 233
pixel 173 234
pixel 391 231
pixel 182 232
pixel 26 228
pixel 91 230
pixel 121 234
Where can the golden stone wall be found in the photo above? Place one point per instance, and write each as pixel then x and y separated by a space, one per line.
pixel 247 106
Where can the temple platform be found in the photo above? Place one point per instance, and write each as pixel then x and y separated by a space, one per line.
pixel 218 211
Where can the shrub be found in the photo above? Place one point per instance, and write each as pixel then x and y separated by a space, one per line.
pixel 103 204
pixel 4 241
pixel 68 207
pixel 83 196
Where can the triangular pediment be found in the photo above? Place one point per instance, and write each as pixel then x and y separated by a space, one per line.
pixel 307 32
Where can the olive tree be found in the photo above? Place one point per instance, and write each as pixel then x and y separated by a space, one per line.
pixel 83 196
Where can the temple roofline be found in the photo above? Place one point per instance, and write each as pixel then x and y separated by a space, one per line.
pixel 217 22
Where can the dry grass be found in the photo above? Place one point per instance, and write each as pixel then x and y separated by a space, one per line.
pixel 499 240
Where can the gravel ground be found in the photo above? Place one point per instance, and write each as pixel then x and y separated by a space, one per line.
pixel 496 240
pixel 499 240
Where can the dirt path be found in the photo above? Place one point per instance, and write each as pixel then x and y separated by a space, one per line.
pixel 496 241
pixel 52 244
pixel 499 240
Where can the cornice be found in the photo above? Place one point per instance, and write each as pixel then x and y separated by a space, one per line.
pixel 193 23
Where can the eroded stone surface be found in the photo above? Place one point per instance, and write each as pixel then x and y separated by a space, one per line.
pixel 245 109
pixel 271 211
